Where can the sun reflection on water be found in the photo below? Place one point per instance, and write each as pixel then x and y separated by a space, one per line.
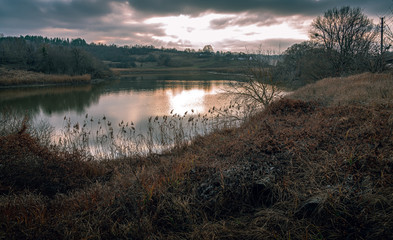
pixel 186 100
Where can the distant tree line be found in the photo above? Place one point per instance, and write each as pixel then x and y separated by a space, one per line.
pixel 75 56
pixel 53 56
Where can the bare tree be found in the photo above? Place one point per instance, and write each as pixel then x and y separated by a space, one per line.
pixel 347 35
pixel 258 88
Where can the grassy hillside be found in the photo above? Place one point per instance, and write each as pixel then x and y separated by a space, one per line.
pixel 315 169
pixel 363 89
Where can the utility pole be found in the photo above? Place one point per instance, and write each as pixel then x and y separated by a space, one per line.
pixel 382 35
pixel 382 61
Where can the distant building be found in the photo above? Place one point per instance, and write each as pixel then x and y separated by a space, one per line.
pixel 1 35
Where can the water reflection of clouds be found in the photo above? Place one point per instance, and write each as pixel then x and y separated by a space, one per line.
pixel 137 106
pixel 122 101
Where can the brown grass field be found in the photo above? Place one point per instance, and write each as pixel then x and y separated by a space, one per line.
pixel 358 89
pixel 317 164
pixel 10 77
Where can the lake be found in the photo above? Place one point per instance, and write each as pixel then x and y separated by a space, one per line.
pixel 128 101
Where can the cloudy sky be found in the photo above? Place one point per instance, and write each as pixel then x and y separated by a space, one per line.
pixel 235 25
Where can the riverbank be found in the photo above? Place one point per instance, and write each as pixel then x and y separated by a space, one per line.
pixel 314 165
pixel 20 78
pixel 10 77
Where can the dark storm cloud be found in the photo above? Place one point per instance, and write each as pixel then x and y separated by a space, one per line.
pixel 36 13
pixel 244 20
pixel 46 12
pixel 15 13
pixel 31 14
pixel 278 7
pixel 95 18
pixel 122 21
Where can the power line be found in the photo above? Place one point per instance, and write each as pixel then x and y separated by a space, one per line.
pixel 384 27
pixel 388 11
pixel 388 19
pixel 388 34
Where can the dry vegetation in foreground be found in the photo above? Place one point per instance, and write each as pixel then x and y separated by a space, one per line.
pixel 366 88
pixel 10 77
pixel 298 170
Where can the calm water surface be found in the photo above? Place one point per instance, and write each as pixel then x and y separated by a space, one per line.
pixel 128 98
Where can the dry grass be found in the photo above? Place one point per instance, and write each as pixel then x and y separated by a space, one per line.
pixel 26 164
pixel 15 93
pixel 298 170
pixel 10 77
pixel 364 88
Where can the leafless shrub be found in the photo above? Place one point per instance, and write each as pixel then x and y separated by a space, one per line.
pixel 258 88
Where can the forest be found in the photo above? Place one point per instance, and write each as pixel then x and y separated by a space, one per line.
pixel 77 57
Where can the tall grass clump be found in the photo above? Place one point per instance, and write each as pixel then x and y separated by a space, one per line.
pixel 29 160
pixel 11 122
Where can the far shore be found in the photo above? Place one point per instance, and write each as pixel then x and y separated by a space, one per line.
pixel 23 78
pixel 10 78
pixel 125 71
